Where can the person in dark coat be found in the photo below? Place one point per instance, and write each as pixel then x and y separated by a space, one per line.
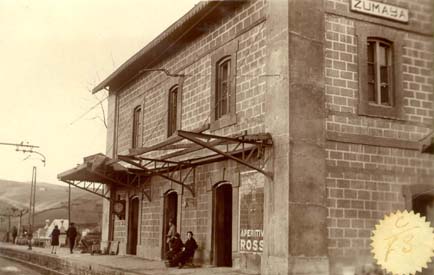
pixel 14 234
pixel 54 239
pixel 176 247
pixel 190 247
pixel 71 234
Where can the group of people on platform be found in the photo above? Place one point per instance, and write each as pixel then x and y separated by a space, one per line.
pixel 179 253
pixel 71 235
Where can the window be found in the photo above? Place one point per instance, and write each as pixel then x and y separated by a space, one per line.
pixel 223 93
pixel 173 111
pixel 137 127
pixel 419 197
pixel 380 72
pixel 223 89
pixel 424 205
pixel 380 82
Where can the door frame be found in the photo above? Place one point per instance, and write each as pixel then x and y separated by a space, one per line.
pixel 129 224
pixel 165 220
pixel 213 216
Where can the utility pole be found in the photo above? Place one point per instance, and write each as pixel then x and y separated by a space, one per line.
pixel 9 228
pixel 32 207
pixel 1 221
pixel 28 148
pixel 69 204
pixel 22 212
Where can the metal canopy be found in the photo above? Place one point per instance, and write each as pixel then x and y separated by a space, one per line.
pixel 98 170
pixel 176 158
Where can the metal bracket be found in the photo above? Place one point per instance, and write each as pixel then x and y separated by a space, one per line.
pixel 147 190
pixel 171 170
pixel 92 187
pixel 193 137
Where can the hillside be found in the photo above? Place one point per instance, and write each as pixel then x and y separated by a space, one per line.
pixel 51 203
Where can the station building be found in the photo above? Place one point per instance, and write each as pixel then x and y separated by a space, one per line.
pixel 278 131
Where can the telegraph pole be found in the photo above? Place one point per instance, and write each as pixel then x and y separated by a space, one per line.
pixel 22 212
pixel 69 204
pixel 28 148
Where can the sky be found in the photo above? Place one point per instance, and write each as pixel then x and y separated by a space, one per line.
pixel 52 53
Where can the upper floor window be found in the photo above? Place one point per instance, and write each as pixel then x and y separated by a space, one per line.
pixel 172 120
pixel 137 127
pixel 380 72
pixel 223 89
pixel 223 92
pixel 379 57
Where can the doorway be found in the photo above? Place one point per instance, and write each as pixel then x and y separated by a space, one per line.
pixel 133 225
pixel 222 224
pixel 170 213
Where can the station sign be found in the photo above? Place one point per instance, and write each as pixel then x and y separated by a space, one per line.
pixel 379 9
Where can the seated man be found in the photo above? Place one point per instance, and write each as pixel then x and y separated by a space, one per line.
pixel 190 247
pixel 175 247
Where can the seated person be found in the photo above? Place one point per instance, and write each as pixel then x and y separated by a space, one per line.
pixel 175 247
pixel 187 252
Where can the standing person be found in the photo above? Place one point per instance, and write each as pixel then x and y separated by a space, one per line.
pixel 54 239
pixel 170 234
pixel 14 234
pixel 190 247
pixel 71 234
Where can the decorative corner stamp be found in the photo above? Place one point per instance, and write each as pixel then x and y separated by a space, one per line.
pixel 403 243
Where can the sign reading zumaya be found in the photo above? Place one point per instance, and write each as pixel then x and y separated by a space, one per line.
pixel 380 9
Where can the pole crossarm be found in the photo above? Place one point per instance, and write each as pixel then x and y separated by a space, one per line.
pixel 19 145
pixel 14 212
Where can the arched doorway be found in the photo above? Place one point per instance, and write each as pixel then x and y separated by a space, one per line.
pixel 170 213
pixel 133 225
pixel 222 224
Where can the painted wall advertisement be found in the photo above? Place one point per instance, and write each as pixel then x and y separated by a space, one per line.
pixel 251 212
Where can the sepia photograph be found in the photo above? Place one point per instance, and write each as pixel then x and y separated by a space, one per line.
pixel 220 137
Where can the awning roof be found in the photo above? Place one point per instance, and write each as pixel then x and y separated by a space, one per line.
pixel 186 150
pixel 173 159
pixel 97 170
pixel 92 169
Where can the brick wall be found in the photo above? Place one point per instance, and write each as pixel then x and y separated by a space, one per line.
pixel 150 90
pixel 195 61
pixel 194 212
pixel 368 170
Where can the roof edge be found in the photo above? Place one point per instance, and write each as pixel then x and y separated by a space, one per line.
pixel 155 42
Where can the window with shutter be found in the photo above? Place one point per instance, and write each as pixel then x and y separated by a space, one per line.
pixel 223 86
pixel 379 59
pixel 172 111
pixel 137 127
